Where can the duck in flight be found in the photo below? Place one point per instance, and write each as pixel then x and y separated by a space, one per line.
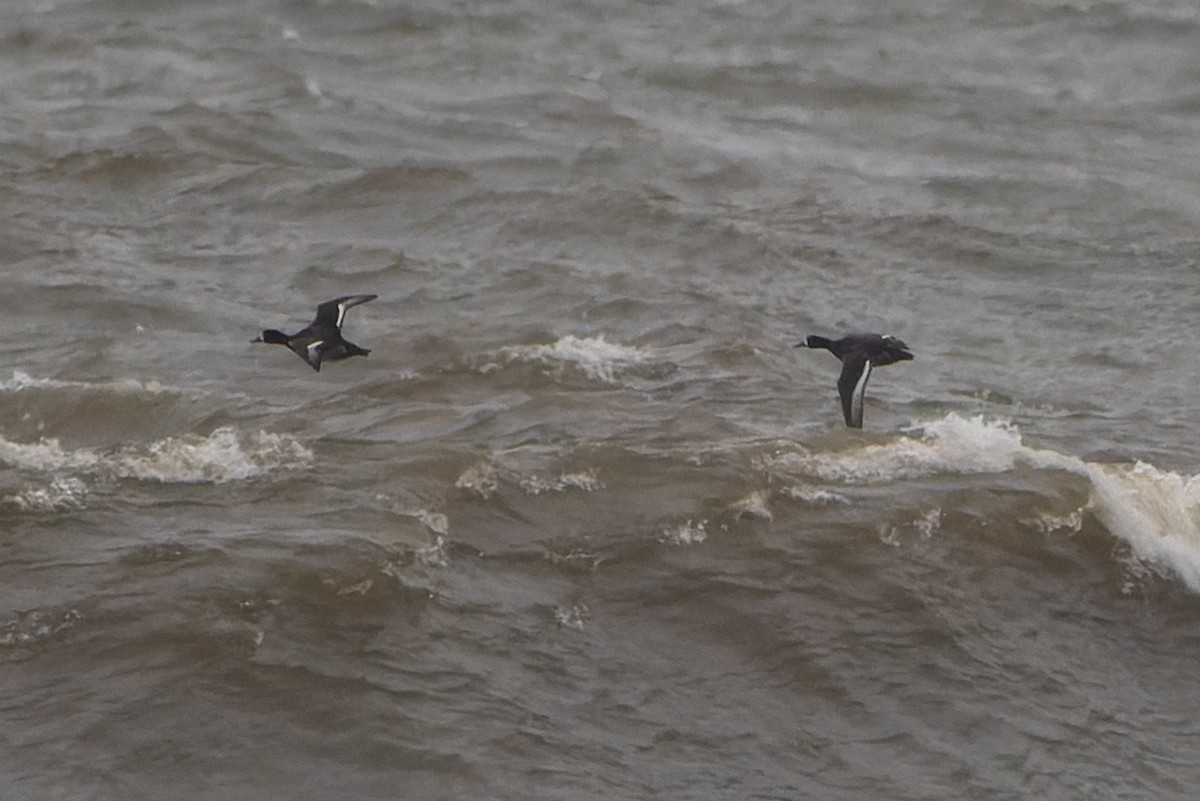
pixel 322 340
pixel 858 354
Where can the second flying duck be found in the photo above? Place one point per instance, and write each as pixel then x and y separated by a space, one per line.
pixel 322 340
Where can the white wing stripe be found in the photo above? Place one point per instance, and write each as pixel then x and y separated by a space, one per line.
pixel 860 389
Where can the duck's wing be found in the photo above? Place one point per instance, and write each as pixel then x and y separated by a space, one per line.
pixel 333 312
pixel 852 386
pixel 309 349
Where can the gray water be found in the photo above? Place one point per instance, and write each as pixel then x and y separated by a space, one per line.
pixel 584 524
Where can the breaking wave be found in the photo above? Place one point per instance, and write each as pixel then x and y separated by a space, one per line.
pixel 61 494
pixel 484 479
pixel 953 444
pixel 1156 511
pixel 596 357
pixel 224 455
pixel 22 381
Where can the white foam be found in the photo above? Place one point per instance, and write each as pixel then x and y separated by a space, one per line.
pixel 1157 512
pixel 596 357
pixel 756 504
pixel 925 525
pixel 952 444
pixel 40 624
pixel 361 587
pixel 436 522
pixel 814 495
pixel 46 455
pixel 436 554
pixel 61 494
pixel 224 455
pixel 482 479
pixel 23 381
pixel 689 533
pixel 575 560
pixel 585 481
pixel 1049 523
pixel 573 616
pixel 929 522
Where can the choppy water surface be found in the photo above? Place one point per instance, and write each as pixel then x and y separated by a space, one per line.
pixel 584 524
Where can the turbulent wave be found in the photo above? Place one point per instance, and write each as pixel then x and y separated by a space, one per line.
pixel 62 493
pixel 585 481
pixel 224 455
pixel 1157 512
pixel 687 533
pixel 483 479
pixel 596 357
pixel 28 627
pixel 21 381
pixel 953 444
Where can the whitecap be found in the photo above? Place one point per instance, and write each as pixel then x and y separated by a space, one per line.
pixel 1049 523
pixel 575 559
pixel 585 481
pixel 482 479
pixel 596 357
pixel 573 616
pixel 756 504
pixel 46 455
pixel 928 522
pixel 28 628
pixel 22 381
pixel 814 495
pixel 224 455
pixel 435 554
pixel 63 493
pixel 953 444
pixel 687 533
pixel 1155 511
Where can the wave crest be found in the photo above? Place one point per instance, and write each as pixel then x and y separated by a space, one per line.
pixel 596 357
pixel 953 444
pixel 1157 512
pixel 224 455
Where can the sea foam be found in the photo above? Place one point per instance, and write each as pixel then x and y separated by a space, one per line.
pixel 223 455
pixel 62 493
pixel 953 444
pixel 595 357
pixel 22 381
pixel 1156 511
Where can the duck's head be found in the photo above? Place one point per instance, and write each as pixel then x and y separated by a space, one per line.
pixel 272 337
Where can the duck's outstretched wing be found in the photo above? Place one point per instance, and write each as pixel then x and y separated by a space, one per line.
pixel 307 348
pixel 312 354
pixel 852 385
pixel 333 312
